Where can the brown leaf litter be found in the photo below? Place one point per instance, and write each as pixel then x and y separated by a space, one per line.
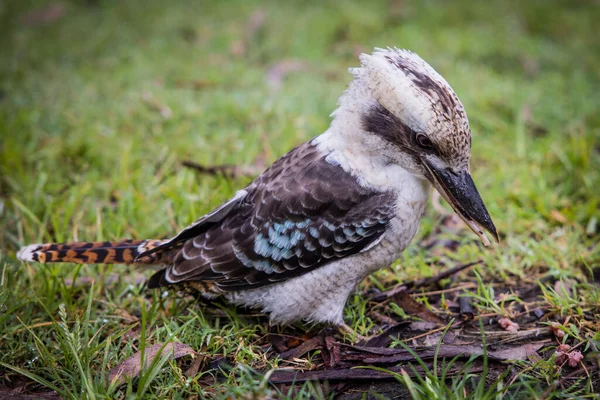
pixel 132 366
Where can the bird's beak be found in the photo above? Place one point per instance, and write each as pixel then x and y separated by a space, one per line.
pixel 460 192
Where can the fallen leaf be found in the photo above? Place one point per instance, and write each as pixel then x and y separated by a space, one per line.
pixel 280 343
pixel 194 367
pixel 313 343
pixel 520 353
pixel 131 367
pixel 564 287
pixel 416 309
pixel 331 353
pixel 382 319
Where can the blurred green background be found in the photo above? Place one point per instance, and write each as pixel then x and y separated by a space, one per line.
pixel 100 101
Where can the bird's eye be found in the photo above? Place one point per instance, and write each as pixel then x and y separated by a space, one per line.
pixel 423 141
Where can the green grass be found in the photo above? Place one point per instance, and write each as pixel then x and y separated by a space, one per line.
pixel 98 108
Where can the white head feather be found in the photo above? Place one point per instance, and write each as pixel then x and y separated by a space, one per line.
pixel 418 97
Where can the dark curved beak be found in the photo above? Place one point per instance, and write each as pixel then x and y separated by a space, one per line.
pixel 460 192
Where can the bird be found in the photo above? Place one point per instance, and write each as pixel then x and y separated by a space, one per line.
pixel 298 239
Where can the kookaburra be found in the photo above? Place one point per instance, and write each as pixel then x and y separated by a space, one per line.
pixel 297 240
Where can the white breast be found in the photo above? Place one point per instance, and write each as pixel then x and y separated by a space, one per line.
pixel 320 295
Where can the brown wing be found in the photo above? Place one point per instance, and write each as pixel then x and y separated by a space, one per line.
pixel 302 213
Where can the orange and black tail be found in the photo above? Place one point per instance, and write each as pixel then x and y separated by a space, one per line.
pixel 121 252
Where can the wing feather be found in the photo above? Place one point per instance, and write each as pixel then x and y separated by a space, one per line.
pixel 302 213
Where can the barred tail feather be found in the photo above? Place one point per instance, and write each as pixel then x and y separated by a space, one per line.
pixel 120 252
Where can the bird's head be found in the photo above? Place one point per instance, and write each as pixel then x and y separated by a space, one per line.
pixel 404 103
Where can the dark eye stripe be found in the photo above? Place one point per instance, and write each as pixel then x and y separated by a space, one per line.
pixel 381 122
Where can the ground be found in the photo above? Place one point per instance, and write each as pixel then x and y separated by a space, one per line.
pixel 101 102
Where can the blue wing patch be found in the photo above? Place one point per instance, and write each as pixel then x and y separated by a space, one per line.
pixel 300 214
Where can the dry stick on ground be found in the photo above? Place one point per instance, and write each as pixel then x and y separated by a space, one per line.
pixel 441 328
pixel 369 356
pixel 350 375
pixel 381 318
pixel 409 287
pixel 468 285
